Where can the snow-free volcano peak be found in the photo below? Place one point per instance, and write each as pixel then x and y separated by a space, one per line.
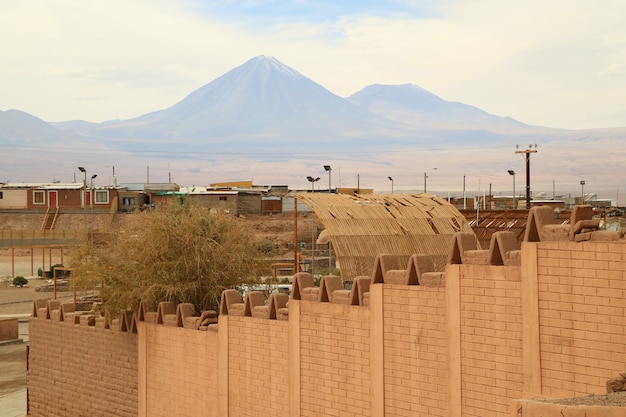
pixel 269 63
pixel 261 98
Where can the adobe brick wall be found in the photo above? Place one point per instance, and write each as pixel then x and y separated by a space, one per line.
pixel 78 370
pixel 258 367
pixel 334 349
pixel 491 339
pixel 582 320
pixel 415 354
pixel 177 371
pixel 554 327
pixel 9 329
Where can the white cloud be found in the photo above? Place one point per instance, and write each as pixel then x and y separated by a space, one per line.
pixel 555 62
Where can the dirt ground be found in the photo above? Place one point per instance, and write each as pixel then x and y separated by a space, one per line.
pixel 13 375
pixel 13 380
pixel 19 301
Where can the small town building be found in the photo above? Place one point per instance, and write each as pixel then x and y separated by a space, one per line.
pixel 59 196
pixel 139 196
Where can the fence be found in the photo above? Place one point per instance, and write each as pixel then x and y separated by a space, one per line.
pixel 36 237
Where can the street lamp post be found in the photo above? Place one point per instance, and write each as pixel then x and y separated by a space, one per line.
pixel 527 153
pixel 313 181
pixel 426 176
pixel 91 198
pixel 391 179
pixel 511 172
pixel 84 171
pixel 327 168
pixel 582 190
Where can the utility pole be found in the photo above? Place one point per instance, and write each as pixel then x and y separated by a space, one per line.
pixel 313 180
pixel 527 153
pixel 464 198
pixel 426 176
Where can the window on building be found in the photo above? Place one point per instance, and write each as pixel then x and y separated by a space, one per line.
pixel 102 196
pixel 128 201
pixel 0 195
pixel 38 197
pixel 223 198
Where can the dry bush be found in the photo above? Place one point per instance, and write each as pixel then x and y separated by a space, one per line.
pixel 182 253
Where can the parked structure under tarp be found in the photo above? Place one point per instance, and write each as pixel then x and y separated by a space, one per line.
pixel 364 225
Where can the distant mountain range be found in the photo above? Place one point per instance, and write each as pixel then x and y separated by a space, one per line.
pixel 18 127
pixel 418 108
pixel 266 103
pixel 263 112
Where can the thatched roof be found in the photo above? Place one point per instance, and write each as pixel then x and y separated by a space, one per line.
pixel 363 226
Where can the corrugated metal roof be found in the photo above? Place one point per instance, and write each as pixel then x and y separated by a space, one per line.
pixel 152 186
pixel 200 190
pixel 486 222
pixel 45 185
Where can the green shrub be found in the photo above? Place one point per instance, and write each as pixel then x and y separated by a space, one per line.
pixel 316 280
pixel 267 246
pixel 60 273
pixel 20 281
pixel 323 270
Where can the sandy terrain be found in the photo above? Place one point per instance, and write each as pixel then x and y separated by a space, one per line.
pixel 13 380
pixel 26 264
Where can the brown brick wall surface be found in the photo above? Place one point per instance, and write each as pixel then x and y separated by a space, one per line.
pixel 9 329
pixel 258 367
pixel 582 321
pixel 491 339
pixel 415 355
pixel 77 370
pixel 181 371
pixel 335 360
pixel 467 350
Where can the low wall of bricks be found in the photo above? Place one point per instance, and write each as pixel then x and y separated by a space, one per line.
pixel 328 357
pixel 552 327
pixel 9 329
pixel 80 369
pixel 258 367
pixel 491 340
pixel 582 316
pixel 177 371
pixel 414 350
pixel 335 362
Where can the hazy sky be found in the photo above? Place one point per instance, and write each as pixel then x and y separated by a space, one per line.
pixel 557 63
